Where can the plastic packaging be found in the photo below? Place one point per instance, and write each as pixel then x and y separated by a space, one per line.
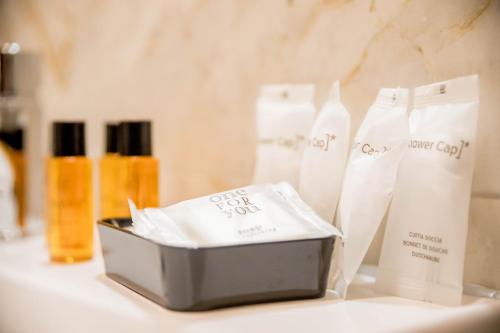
pixel 285 114
pixel 424 246
pixel 324 157
pixel 369 181
pixel 252 214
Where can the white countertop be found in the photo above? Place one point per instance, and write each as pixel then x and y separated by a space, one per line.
pixel 37 296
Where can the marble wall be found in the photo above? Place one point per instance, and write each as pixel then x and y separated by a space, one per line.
pixel 194 67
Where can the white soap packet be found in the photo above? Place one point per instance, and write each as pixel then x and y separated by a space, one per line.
pixel 369 181
pixel 424 245
pixel 285 114
pixel 324 158
pixel 252 214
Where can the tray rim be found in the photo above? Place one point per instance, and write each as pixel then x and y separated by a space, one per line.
pixel 106 223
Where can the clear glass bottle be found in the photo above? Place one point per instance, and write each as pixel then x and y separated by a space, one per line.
pixel 12 133
pixel 138 176
pixel 69 195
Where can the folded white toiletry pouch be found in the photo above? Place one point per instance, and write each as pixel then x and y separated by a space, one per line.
pixel 285 114
pixel 246 215
pixel 424 245
pixel 369 181
pixel 324 157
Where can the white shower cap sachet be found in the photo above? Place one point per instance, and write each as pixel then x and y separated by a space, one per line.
pixel 323 160
pixel 285 114
pixel 369 181
pixel 424 245
pixel 252 214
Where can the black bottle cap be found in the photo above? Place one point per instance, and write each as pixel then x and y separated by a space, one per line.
pixel 134 138
pixel 111 138
pixel 13 138
pixel 68 139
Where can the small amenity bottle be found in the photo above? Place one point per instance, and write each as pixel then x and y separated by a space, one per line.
pixel 69 195
pixel 109 170
pixel 138 179
pixel 11 128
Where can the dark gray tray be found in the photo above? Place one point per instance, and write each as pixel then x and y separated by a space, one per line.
pixel 213 277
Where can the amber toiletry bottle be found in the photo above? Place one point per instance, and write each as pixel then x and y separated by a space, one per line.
pixel 109 171
pixel 138 176
pixel 69 195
